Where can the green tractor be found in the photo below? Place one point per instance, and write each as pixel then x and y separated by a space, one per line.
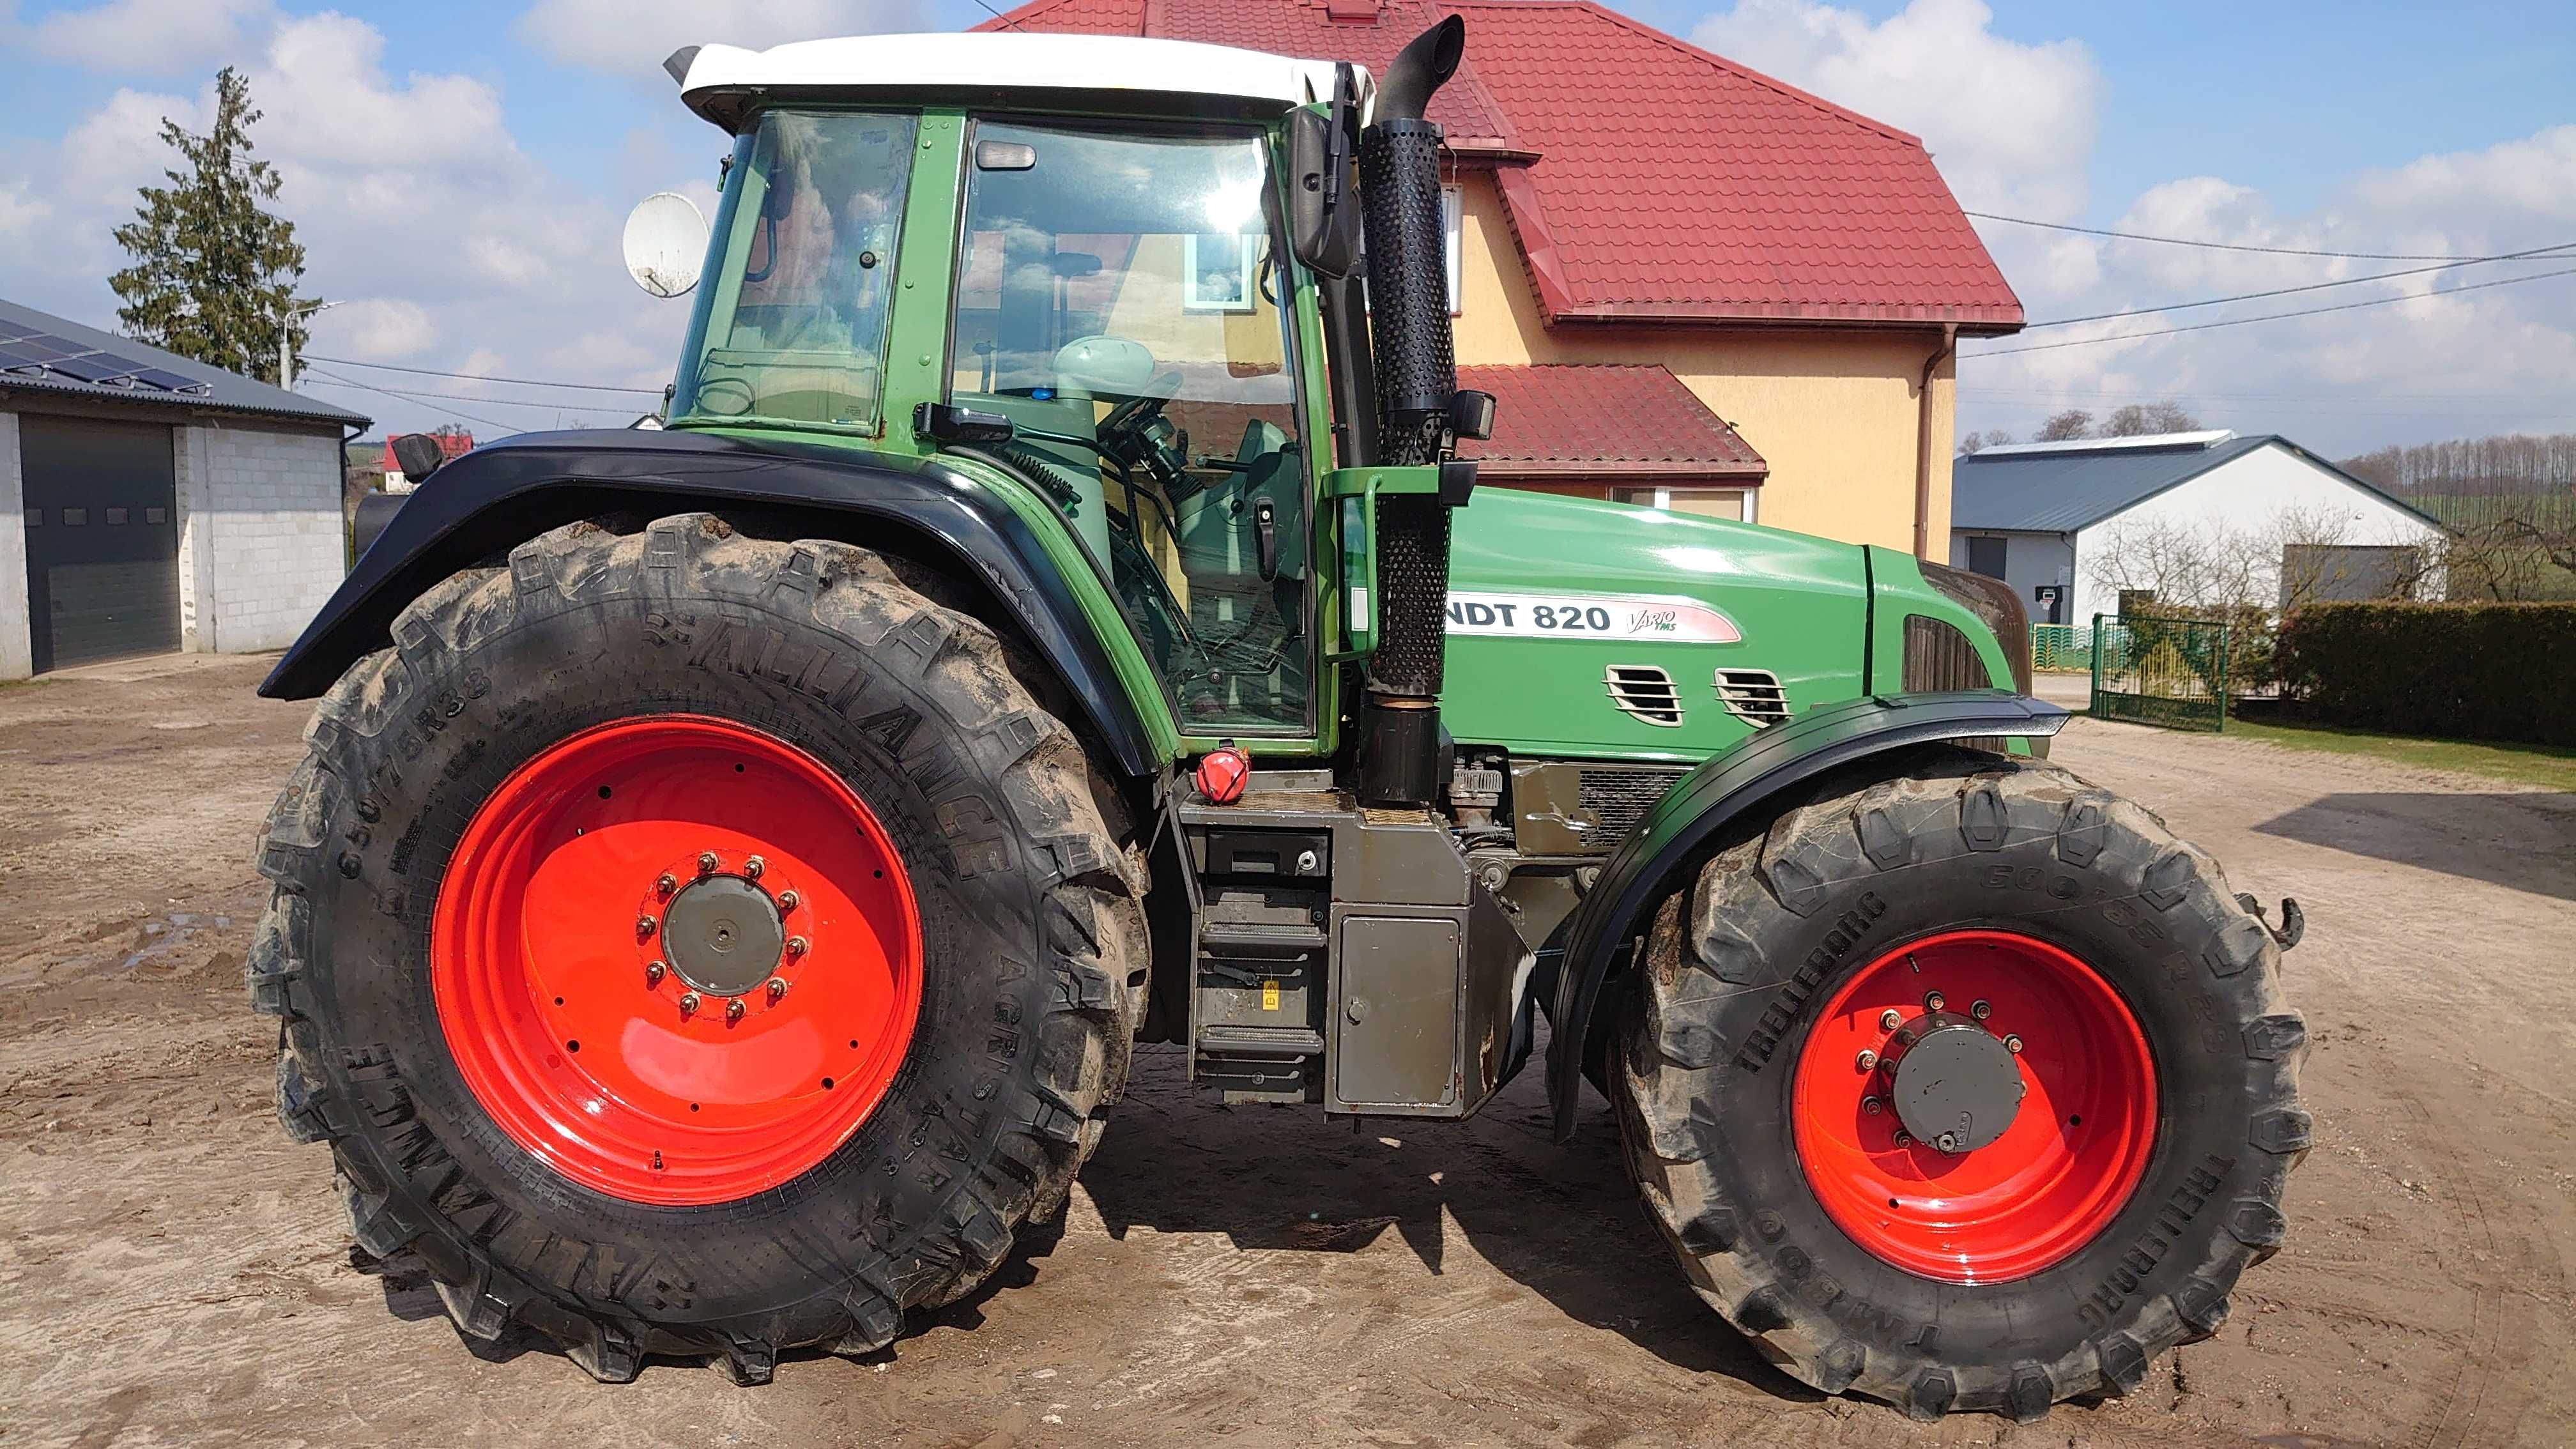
pixel 735 862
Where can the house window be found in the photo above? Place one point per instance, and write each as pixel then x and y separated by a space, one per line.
pixel 1986 556
pixel 1451 212
pixel 1729 503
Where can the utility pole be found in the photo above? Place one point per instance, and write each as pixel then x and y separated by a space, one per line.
pixel 286 342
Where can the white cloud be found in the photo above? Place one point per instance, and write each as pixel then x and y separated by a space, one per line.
pixel 153 37
pixel 632 37
pixel 384 329
pixel 2011 124
pixel 22 214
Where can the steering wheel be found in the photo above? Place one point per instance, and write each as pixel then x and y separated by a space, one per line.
pixel 1127 435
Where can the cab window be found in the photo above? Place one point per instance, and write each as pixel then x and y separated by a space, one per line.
pixel 1118 298
pixel 795 328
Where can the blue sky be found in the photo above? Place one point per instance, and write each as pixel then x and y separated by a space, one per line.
pixel 459 171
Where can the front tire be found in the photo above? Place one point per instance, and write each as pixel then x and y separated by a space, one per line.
pixel 2125 1157
pixel 519 883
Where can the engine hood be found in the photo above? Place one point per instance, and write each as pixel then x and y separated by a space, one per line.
pixel 1561 607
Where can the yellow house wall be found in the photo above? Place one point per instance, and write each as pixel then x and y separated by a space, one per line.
pixel 1832 410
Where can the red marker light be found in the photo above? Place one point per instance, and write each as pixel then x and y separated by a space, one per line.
pixel 1222 774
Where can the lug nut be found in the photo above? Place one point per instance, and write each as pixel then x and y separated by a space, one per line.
pixel 1872 1106
pixel 1904 1138
pixel 786 901
pixel 1947 1142
pixel 798 945
pixel 688 1002
pixel 667 884
pixel 754 866
pixel 1868 1059
pixel 1890 1019
pixel 2012 1044
pixel 733 1010
pixel 707 863
pixel 777 987
pixel 644 927
pixel 1981 1011
pixel 1932 1001
pixel 654 973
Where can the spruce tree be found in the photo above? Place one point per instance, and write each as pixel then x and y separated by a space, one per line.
pixel 214 273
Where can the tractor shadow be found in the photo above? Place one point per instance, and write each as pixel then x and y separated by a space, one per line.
pixel 1562 1221
pixel 2522 841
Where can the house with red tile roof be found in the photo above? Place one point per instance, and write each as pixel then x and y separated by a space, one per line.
pixel 1687 283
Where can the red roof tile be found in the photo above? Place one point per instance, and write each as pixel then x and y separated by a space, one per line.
pixel 1645 178
pixel 1604 421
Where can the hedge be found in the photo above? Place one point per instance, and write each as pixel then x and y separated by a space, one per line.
pixel 2466 671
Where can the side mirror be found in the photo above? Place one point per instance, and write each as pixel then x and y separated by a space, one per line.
pixel 419 454
pixel 666 243
pixel 1323 219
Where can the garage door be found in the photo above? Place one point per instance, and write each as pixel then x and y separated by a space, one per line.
pixel 102 539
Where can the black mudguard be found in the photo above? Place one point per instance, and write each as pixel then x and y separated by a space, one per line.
pixel 1735 784
pixel 487 501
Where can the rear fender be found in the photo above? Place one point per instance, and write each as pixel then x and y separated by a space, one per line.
pixel 1740 784
pixel 490 499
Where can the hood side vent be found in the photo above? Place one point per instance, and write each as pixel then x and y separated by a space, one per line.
pixel 1753 696
pixel 1644 691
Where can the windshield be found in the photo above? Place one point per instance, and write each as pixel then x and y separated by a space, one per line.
pixel 1118 299
pixel 794 327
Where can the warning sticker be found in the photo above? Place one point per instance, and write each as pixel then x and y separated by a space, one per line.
pixel 1270 996
pixel 1590 616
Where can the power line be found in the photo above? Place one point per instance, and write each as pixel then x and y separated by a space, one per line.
pixel 483 377
pixel 2175 241
pixel 2279 316
pixel 507 402
pixel 415 397
pixel 998 15
pixel 2310 287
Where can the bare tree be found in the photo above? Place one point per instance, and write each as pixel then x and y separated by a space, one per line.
pixel 1991 438
pixel 2065 427
pixel 2137 420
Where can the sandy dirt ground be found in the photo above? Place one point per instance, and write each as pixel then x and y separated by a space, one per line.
pixel 174 1271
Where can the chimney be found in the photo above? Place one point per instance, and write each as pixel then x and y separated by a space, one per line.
pixel 1351 12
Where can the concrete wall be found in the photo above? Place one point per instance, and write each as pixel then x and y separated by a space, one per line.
pixel 17 649
pixel 1833 410
pixel 261 543
pixel 2030 560
pixel 2253 497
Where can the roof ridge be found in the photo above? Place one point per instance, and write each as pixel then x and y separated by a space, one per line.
pixel 1737 68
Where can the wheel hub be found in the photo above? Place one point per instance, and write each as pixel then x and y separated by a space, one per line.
pixel 1956 1086
pixel 724 935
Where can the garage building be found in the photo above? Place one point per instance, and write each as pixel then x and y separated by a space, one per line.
pixel 149 503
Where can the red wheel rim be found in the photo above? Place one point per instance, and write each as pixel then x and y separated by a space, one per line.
pixel 576 908
pixel 2056 1176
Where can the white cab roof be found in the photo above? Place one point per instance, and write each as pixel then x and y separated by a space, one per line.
pixel 1007 60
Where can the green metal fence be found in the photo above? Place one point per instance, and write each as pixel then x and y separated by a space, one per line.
pixel 2062 647
pixel 2169 672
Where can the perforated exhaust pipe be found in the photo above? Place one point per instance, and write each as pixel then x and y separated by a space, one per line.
pixel 1417 376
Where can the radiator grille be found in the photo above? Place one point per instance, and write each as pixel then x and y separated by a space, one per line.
pixel 1615 800
pixel 1645 691
pixel 1753 696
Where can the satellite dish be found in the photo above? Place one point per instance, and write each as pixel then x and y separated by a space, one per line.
pixel 666 240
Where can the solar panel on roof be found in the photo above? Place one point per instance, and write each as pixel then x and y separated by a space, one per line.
pixel 45 347
pixel 170 381
pixel 92 369
pixel 13 357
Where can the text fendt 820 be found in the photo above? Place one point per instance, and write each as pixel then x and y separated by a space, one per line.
pixel 735 862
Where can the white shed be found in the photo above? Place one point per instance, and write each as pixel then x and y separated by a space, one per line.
pixel 2201 518
pixel 149 503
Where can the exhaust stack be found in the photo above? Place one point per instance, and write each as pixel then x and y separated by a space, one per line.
pixel 1417 378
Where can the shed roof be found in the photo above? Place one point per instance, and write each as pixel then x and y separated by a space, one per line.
pixel 42 353
pixel 1560 420
pixel 1645 179
pixel 2063 488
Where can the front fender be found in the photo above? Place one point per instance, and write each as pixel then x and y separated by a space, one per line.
pixel 497 496
pixel 1728 786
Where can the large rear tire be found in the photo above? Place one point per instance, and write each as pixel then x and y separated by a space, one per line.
pixel 2119 1097
pixel 691 944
